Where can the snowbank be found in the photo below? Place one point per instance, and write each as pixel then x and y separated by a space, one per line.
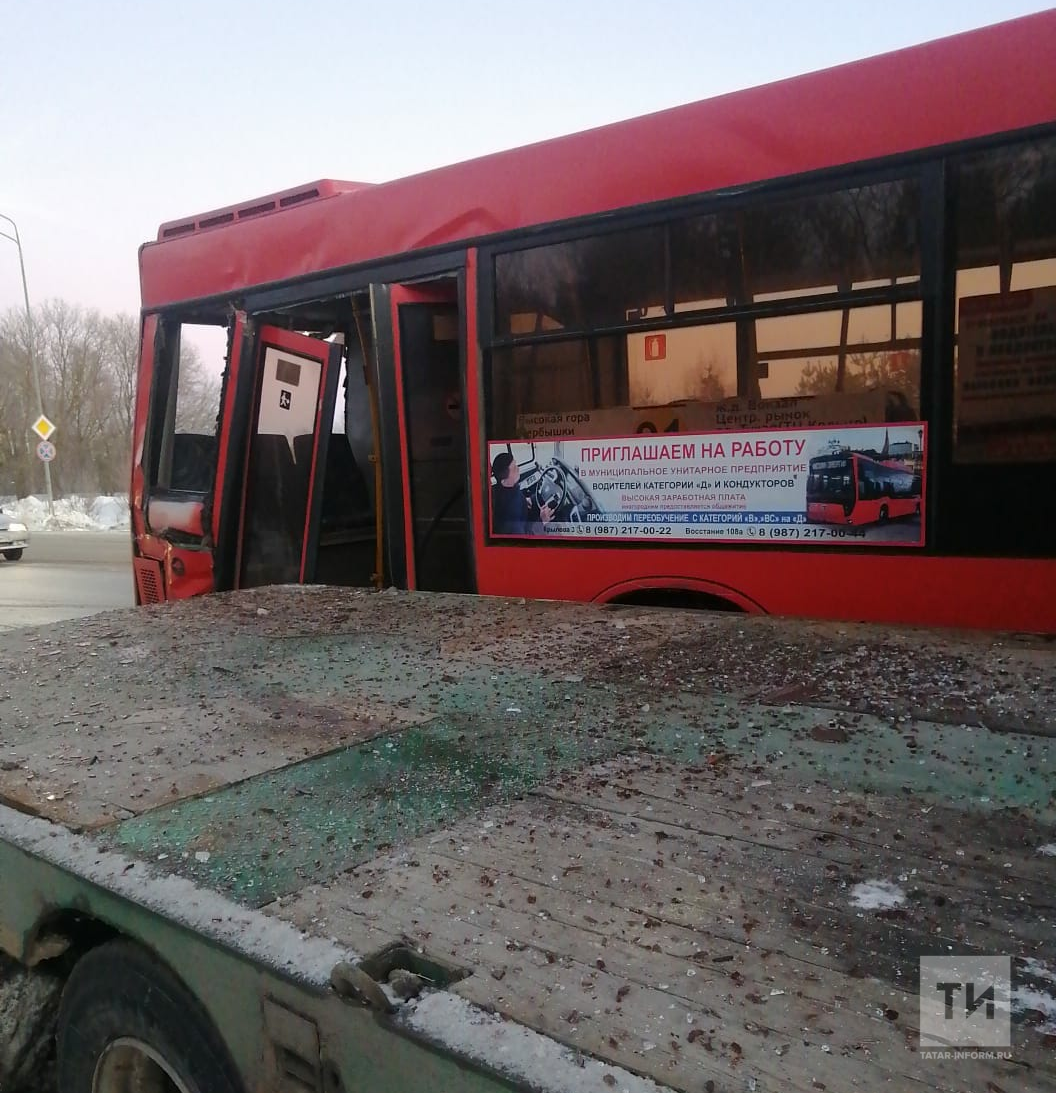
pixel 71 513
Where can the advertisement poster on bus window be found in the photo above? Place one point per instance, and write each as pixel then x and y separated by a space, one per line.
pixel 828 486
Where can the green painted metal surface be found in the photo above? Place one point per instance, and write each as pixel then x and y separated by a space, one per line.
pixel 364 1051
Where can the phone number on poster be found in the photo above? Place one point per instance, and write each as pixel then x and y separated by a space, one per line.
pixel 652 531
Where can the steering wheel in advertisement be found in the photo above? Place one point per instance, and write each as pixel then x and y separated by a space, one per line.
pixel 552 488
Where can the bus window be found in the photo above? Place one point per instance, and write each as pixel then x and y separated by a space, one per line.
pixel 835 242
pixel 844 352
pixel 856 243
pixel 697 363
pixel 181 441
pixel 583 284
pixel 1006 306
pixel 552 377
pixel 1004 380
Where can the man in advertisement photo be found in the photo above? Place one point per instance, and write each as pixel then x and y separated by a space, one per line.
pixel 511 512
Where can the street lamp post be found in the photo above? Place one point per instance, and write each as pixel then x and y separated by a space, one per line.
pixel 29 347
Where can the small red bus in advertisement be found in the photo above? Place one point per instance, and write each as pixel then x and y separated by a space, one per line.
pixel 854 488
pixel 621 366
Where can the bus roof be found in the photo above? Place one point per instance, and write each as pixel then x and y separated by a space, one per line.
pixel 996 79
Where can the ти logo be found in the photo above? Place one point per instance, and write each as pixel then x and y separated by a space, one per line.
pixel 965 1001
pixel 971 1003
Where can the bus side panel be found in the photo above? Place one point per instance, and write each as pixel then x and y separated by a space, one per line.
pixel 907 588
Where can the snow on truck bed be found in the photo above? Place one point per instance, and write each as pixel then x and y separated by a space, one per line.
pixel 708 850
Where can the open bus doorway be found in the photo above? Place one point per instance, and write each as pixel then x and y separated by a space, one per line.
pixel 390 479
pixel 427 324
pixel 348 553
pixel 288 442
pixel 308 494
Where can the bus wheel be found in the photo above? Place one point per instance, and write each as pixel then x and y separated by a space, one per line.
pixel 127 1025
pixel 883 514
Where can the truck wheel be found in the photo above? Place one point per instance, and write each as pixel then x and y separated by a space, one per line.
pixel 13 555
pixel 127 1025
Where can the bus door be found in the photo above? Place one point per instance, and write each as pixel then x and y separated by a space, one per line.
pixel 428 342
pixel 296 389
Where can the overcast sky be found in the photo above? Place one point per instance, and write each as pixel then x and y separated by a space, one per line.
pixel 116 115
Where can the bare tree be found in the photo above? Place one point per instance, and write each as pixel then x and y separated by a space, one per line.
pixel 19 469
pixel 88 366
pixel 80 390
pixel 121 349
pixel 198 397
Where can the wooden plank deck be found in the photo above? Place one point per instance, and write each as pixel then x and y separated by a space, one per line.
pixel 691 940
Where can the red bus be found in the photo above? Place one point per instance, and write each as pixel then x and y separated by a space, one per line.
pixel 856 488
pixel 598 367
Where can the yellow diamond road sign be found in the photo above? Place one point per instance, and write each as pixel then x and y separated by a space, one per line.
pixel 43 427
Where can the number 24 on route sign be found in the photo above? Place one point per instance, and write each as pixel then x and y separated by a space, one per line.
pixel 43 427
pixel 46 451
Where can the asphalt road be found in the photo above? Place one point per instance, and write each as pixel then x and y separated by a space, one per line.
pixel 66 574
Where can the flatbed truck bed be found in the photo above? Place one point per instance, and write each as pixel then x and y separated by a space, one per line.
pixel 601 848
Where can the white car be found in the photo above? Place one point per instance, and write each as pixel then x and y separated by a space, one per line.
pixel 14 537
